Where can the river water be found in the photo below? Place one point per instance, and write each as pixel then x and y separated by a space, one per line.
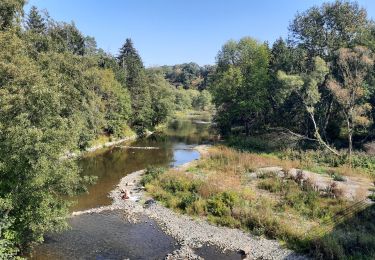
pixel 108 235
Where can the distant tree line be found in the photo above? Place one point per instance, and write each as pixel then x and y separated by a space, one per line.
pixel 188 75
pixel 318 84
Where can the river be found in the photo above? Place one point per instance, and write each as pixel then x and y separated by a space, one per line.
pixel 108 235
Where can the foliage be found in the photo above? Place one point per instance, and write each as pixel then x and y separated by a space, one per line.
pixel 60 93
pixel 353 67
pixel 188 75
pixel 297 86
pixel 10 11
pixel 323 30
pixel 239 86
pixel 162 98
pixel 135 80
pixel 35 132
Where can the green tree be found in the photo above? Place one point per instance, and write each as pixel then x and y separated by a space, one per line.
pixel 34 135
pixel 183 99
pixel 136 83
pixel 10 12
pixel 322 30
pixel 306 86
pixel 202 101
pixel 66 37
pixel 162 97
pixel 90 45
pixel 35 22
pixel 240 87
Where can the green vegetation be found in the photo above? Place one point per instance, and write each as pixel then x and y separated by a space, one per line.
pixel 220 189
pixel 60 93
pixel 188 75
pixel 317 87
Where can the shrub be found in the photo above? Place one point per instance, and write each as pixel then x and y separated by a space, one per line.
pixel 151 174
pixel 187 198
pixel 198 207
pixel 217 207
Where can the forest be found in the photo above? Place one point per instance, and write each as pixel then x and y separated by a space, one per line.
pixel 310 96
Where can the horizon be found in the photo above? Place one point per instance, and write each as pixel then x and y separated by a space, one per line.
pixel 193 36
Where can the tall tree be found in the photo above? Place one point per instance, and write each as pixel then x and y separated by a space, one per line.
pixel 136 83
pixel 349 87
pixel 240 86
pixel 66 37
pixel 34 135
pixel 322 30
pixel 35 22
pixel 306 86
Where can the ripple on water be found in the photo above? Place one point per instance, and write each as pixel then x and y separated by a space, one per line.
pixel 107 235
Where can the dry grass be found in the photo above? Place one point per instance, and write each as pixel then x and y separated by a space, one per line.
pixel 237 162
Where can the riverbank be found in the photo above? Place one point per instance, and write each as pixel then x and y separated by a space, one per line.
pixel 71 155
pixel 271 197
pixel 192 233
pixel 94 148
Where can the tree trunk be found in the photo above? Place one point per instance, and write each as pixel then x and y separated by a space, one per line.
pixel 350 140
pixel 319 138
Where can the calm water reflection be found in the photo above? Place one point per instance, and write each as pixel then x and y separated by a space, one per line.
pixel 108 235
pixel 112 164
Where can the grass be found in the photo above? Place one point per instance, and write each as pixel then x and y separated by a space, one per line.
pixel 219 188
pixel 100 140
pixel 315 160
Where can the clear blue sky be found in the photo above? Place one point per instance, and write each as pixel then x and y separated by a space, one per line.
pixel 177 31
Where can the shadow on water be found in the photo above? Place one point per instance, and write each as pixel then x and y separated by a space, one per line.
pixel 353 238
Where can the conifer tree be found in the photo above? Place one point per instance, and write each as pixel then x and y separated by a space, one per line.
pixel 35 22
pixel 136 83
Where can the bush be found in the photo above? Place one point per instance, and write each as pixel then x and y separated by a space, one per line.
pixel 151 174
pixel 187 199
pixel 217 207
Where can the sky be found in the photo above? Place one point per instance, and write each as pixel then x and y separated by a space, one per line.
pixel 167 32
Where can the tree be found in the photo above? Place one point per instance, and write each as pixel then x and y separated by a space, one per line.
pixel 35 22
pixel 239 88
pixel 66 37
pixel 323 30
pixel 10 11
pixel 307 88
pixel 162 97
pixel 349 89
pixel 202 101
pixel 34 135
pixel 136 83
pixel 90 45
